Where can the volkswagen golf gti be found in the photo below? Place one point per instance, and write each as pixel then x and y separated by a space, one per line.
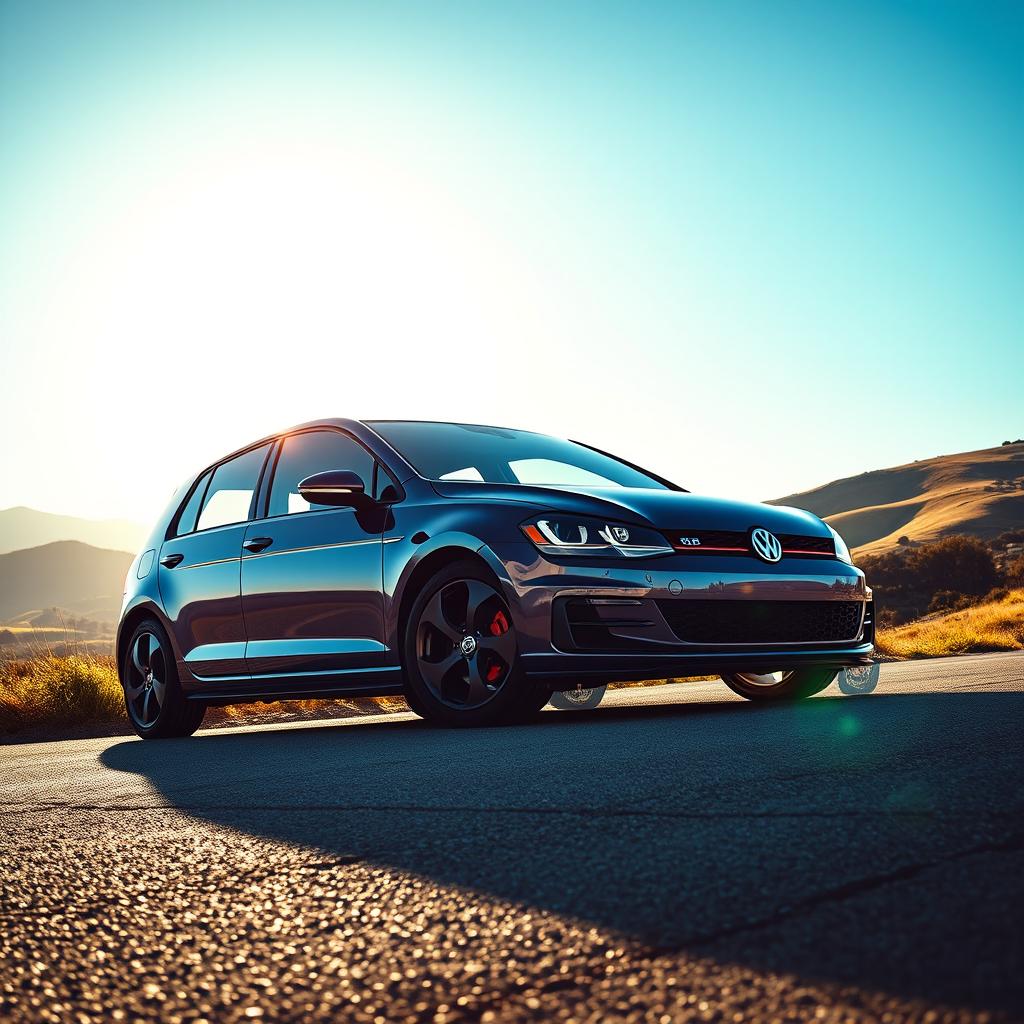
pixel 474 570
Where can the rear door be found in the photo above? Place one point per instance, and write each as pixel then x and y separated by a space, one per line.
pixel 200 568
pixel 312 583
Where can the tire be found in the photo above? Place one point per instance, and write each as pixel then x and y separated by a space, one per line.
pixel 157 708
pixel 460 653
pixel 861 679
pixel 793 684
pixel 579 699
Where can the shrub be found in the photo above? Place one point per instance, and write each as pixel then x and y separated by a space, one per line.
pixel 908 579
pixel 889 617
pixel 1014 572
pixel 950 600
pixel 962 564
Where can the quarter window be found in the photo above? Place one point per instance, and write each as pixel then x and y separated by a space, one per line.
pixel 229 496
pixel 316 451
pixel 187 519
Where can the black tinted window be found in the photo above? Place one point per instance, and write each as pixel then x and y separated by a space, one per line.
pixel 187 519
pixel 231 489
pixel 303 455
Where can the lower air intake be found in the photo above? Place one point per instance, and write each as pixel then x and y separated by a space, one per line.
pixel 763 622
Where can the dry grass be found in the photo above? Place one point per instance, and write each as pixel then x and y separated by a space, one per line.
pixel 993 626
pixel 47 690
pixel 63 693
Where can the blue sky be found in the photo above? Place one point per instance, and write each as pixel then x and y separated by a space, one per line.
pixel 753 246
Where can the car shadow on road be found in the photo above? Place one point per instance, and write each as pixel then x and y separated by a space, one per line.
pixel 871 841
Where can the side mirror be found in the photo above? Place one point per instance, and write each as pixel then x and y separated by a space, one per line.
pixel 334 487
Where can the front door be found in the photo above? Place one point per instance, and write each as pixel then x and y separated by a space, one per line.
pixel 312 574
pixel 200 568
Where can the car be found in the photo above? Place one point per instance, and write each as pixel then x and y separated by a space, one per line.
pixel 476 570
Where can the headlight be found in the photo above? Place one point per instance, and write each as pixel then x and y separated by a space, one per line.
pixel 573 535
pixel 842 551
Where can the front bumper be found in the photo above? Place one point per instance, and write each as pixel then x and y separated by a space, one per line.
pixel 566 670
pixel 541 589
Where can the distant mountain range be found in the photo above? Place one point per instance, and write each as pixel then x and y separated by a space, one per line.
pixel 84 581
pixel 28 528
pixel 977 493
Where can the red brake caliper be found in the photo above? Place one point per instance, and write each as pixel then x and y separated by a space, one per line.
pixel 498 627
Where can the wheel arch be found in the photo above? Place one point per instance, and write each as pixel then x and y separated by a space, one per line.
pixel 129 623
pixel 432 563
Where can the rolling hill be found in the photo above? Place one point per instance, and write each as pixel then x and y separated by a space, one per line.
pixel 977 493
pixel 22 527
pixel 81 579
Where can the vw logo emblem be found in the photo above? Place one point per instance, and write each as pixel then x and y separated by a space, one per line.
pixel 468 646
pixel 766 545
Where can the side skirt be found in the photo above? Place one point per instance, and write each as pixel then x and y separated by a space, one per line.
pixel 388 683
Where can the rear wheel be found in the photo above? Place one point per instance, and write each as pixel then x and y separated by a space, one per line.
pixel 580 699
pixel 859 679
pixel 461 654
pixel 792 684
pixel 157 708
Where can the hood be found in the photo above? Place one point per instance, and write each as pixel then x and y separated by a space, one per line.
pixel 666 510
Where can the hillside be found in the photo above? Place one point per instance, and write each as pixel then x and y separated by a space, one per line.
pixel 977 493
pixel 82 579
pixel 22 527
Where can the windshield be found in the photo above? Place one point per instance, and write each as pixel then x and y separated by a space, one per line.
pixel 460 451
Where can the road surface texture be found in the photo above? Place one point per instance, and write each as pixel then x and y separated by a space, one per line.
pixel 677 854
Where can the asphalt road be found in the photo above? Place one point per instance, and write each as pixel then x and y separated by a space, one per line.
pixel 676 854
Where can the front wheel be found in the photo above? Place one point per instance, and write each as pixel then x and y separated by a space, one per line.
pixel 461 653
pixel 794 684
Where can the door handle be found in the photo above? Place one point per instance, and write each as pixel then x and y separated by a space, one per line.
pixel 170 561
pixel 257 543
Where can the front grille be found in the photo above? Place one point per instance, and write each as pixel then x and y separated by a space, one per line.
pixel 793 542
pixel 762 622
pixel 738 542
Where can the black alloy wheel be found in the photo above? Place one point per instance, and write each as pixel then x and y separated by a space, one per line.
pixel 464 644
pixel 153 698
pixel 462 652
pixel 145 684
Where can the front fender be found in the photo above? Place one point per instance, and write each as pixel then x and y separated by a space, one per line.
pixel 408 563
